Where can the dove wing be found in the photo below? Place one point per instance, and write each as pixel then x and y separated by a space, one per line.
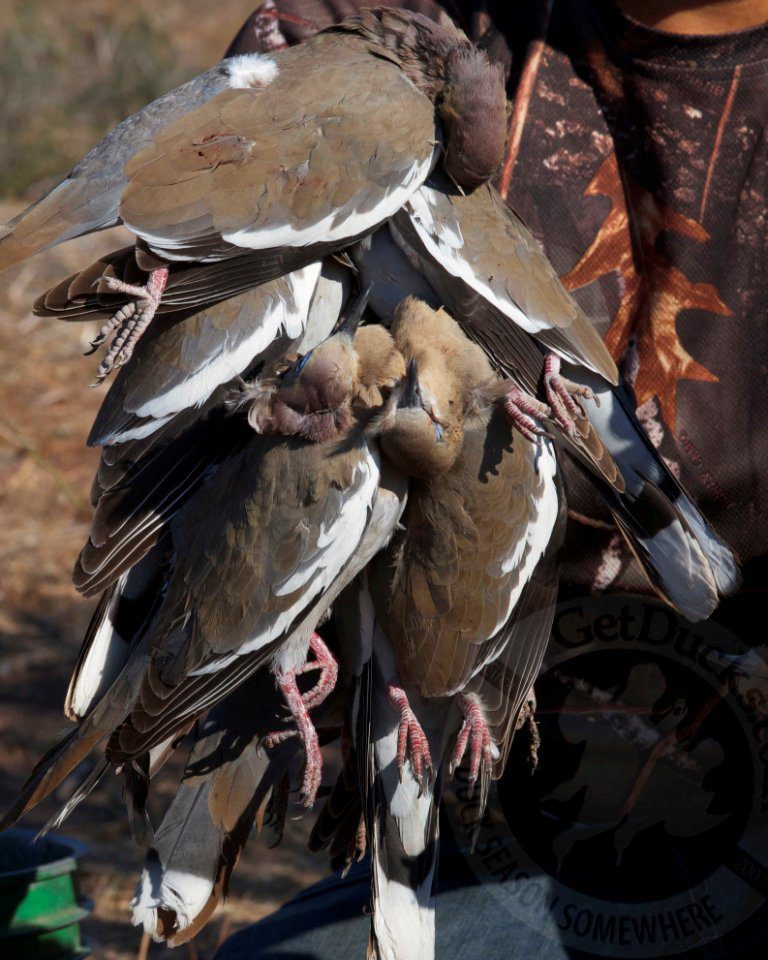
pixel 301 160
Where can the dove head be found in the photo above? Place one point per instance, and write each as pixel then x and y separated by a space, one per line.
pixel 414 438
pixel 380 365
pixel 466 88
pixel 473 111
pixel 425 431
pixel 313 397
pixel 323 379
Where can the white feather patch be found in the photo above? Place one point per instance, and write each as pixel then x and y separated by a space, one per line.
pixel 183 893
pixel 332 289
pixel 251 70
pixel 404 921
pixel 107 654
pixel 444 242
pixel 284 315
pixel 140 431
pixel 530 548
pixel 340 224
pixel 409 809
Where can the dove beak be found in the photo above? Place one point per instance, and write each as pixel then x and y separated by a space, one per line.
pixel 411 394
pixel 351 322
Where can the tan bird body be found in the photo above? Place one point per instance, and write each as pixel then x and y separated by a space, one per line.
pixel 279 155
pixel 481 262
pixel 480 517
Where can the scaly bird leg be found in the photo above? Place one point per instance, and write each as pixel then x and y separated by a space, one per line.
pixel 328 666
pixel 130 321
pixel 476 734
pixel 313 760
pixel 523 410
pixel 411 739
pixel 560 393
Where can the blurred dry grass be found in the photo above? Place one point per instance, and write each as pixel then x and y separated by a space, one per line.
pixel 70 71
pixel 67 73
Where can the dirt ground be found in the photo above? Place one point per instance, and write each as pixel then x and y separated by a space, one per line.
pixel 46 408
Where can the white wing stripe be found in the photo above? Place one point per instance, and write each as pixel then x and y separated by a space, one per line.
pixel 446 245
pixel 234 357
pixel 335 545
pixel 341 224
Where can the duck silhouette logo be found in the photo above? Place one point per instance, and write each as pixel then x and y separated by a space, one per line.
pixel 642 832
pixel 656 764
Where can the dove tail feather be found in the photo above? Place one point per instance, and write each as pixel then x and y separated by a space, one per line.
pixel 404 839
pixel 339 828
pixel 690 565
pixel 188 867
pixel 54 767
pixel 721 557
pixel 187 871
pixel 59 762
pixel 89 782
pixel 227 783
pixel 136 782
pixel 670 555
pixel 402 822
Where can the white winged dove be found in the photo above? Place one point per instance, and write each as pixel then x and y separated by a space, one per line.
pixel 249 565
pixel 459 604
pixel 483 264
pixel 288 156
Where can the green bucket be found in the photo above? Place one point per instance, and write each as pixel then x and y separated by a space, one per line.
pixel 40 903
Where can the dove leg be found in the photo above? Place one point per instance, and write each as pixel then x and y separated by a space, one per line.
pixel 476 735
pixel 313 760
pixel 523 410
pixel 328 666
pixel 411 739
pixel 560 393
pixel 130 322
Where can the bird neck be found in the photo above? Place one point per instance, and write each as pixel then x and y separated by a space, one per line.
pixel 317 426
pixel 417 44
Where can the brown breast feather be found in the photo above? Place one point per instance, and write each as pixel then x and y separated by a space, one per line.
pixel 440 586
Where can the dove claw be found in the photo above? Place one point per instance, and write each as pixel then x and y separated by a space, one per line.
pixel 130 321
pixel 411 739
pixel 305 730
pixel 328 666
pixel 560 394
pixel 476 734
pixel 523 410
